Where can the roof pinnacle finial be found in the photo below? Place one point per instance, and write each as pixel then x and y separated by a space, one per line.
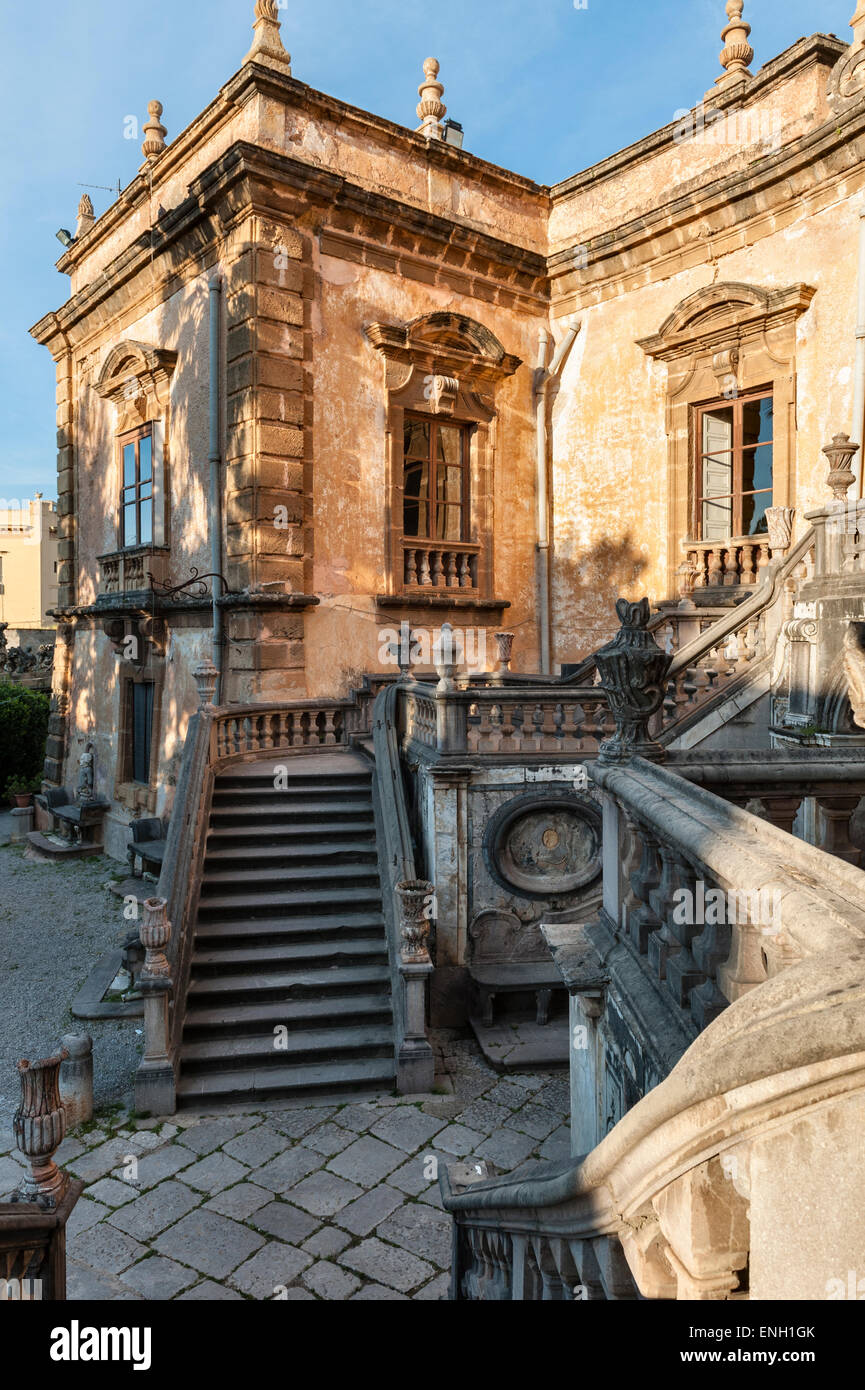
pixel 86 218
pixel 737 53
pixel 154 133
pixel 857 24
pixel 267 46
pixel 430 108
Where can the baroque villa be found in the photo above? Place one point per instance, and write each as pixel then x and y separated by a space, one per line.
pixel 462 591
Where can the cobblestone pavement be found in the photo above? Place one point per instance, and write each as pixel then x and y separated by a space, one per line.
pixel 322 1201
pixel 56 920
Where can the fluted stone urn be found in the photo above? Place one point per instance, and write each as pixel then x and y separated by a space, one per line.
pixel 840 454
pixel 633 671
pixel 155 934
pixel 205 676
pixel 414 897
pixel 40 1124
pixel 505 644
pixel 446 654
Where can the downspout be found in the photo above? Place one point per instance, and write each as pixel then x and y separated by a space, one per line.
pixel 215 455
pixel 544 378
pixel 859 371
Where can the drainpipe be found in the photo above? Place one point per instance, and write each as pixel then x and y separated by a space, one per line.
pixel 215 455
pixel 544 379
pixel 859 371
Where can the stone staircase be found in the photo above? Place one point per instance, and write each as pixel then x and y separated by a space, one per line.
pixel 289 989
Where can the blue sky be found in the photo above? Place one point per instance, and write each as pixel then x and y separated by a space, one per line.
pixel 545 89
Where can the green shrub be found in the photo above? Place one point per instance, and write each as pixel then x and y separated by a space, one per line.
pixel 23 731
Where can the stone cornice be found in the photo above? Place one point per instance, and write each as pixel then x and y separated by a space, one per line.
pixel 258 79
pixel 670 236
pixel 821 49
pixel 214 194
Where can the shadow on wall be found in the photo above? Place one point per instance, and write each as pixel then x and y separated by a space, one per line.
pixel 586 587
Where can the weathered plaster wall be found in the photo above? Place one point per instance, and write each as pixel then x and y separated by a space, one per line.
pixel 350 503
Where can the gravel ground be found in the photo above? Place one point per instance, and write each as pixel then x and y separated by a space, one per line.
pixel 56 920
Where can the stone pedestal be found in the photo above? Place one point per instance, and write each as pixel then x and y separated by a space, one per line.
pixel 22 824
pixel 76 1078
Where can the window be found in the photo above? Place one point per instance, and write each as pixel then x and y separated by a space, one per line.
pixel 140 728
pixel 734 467
pixel 136 498
pixel 435 480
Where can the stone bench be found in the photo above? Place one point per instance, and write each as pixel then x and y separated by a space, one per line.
pixel 530 977
pixel 147 844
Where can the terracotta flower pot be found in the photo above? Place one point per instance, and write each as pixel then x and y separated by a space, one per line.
pixel 22 798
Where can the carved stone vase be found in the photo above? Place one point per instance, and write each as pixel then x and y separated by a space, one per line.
pixel 155 933
pixel 633 670
pixel 40 1124
pixel 414 896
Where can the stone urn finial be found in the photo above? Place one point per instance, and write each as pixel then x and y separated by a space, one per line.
pixel 205 676
pixel 86 218
pixel 737 52
pixel 155 933
pixel 267 46
pixel 840 454
pixel 446 658
pixel 632 669
pixel 415 897
pixel 431 110
pixel 40 1124
pixel 154 133
pixel 780 523
pixel 505 643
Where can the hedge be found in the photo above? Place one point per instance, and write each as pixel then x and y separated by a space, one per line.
pixel 23 731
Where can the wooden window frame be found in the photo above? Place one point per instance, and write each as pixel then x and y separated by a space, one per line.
pixel 736 495
pixel 466 431
pixel 135 436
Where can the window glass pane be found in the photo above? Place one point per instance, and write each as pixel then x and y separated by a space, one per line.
pixel 141 730
pixel 450 484
pixel 449 441
pixel 757 421
pixel 130 526
pixel 417 443
pixel 414 517
pixel 129 465
pixel 416 480
pixel 146 523
pixel 757 468
pixel 717 519
pixel 449 524
pixel 145 458
pixel 754 521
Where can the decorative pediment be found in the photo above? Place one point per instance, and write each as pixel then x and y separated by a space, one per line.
pixel 444 345
pixel 132 370
pixel 717 317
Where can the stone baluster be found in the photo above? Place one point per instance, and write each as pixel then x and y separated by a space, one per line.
pixel 676 876
pixel 833 821
pixel 424 576
pixel 711 950
pixel 642 919
pixel 411 575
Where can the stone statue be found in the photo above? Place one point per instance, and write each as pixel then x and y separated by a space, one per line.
pixel 85 775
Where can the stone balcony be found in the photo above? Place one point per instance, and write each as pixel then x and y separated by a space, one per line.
pixel 129 571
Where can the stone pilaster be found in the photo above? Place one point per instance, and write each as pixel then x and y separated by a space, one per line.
pixel 66 501
pixel 268 454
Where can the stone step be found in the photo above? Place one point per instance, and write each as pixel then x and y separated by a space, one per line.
pixel 267 795
pixel 273 833
pixel 297 902
pixel 339 925
pixel 220 1018
pixel 264 778
pixel 312 980
pixel 321 1044
pixel 316 954
pixel 286 813
pixel 274 1083
pixel 251 881
pixel 271 857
